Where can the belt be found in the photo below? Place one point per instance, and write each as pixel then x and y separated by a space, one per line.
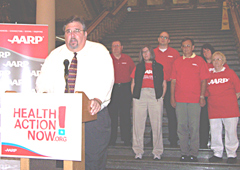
pixel 122 84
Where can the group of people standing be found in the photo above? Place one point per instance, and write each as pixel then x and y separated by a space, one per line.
pixel 193 89
pixel 161 77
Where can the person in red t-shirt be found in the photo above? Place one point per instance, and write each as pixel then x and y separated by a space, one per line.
pixel 148 89
pixel 188 87
pixel 223 90
pixel 166 55
pixel 206 53
pixel 121 98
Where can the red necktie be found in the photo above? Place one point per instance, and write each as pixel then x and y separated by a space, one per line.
pixel 72 74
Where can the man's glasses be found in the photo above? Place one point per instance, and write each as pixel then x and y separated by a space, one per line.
pixel 76 31
pixel 163 37
pixel 186 46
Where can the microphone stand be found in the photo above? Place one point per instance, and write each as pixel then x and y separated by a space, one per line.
pixel 66 63
pixel 66 80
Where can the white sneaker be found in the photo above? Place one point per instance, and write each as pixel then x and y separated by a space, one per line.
pixel 138 156
pixel 157 157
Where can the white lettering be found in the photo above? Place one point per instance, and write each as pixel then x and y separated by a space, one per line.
pixel 35 73
pixel 15 82
pixel 219 80
pixel 10 150
pixel 5 72
pixel 4 54
pixel 26 39
pixel 148 72
pixel 16 64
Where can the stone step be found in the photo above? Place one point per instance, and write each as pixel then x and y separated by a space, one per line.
pixel 120 157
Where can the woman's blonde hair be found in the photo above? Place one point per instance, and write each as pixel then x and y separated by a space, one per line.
pixel 221 54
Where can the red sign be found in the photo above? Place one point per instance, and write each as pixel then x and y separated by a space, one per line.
pixel 23 49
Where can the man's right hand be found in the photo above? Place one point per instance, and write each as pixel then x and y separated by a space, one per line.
pixel 173 102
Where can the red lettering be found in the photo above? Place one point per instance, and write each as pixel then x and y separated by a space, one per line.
pixel 18 124
pixel 38 116
pixel 23 124
pixel 60 138
pixel 40 135
pixel 24 112
pixel 31 121
pixel 43 124
pixel 16 112
pixel 31 134
pixel 44 112
pixel 52 124
pixel 52 113
pixel 31 114
pixel 50 135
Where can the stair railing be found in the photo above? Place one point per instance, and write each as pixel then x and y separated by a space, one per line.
pixel 107 22
pixel 236 25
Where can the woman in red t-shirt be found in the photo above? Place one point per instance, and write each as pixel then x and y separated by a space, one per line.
pixel 223 91
pixel 148 88
pixel 206 53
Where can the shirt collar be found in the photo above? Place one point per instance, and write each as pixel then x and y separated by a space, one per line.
pixel 214 71
pixel 162 50
pixel 192 56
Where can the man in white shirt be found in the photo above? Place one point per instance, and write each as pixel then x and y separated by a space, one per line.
pixel 95 77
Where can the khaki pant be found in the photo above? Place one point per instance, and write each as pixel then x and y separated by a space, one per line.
pixel 188 117
pixel 147 104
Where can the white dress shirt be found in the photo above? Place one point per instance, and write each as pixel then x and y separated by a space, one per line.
pixel 95 73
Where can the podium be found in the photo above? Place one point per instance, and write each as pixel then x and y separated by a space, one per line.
pixel 67 164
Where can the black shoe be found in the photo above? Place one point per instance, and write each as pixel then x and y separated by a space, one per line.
pixel 215 159
pixel 232 160
pixel 193 159
pixel 184 158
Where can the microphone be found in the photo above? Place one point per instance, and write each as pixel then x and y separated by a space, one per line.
pixel 66 63
pixel 66 71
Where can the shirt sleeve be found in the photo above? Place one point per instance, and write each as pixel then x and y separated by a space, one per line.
pixel 174 74
pixel 132 65
pixel 236 82
pixel 204 72
pixel 133 73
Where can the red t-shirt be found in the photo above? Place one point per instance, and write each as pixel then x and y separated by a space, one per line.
pixel 222 88
pixel 148 76
pixel 122 68
pixel 188 73
pixel 166 58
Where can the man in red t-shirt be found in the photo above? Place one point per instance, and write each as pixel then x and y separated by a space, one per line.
pixel 121 95
pixel 188 87
pixel 166 55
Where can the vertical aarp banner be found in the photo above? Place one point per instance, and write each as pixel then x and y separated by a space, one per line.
pixel 23 49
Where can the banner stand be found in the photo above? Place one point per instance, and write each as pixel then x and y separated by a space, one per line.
pixel 69 165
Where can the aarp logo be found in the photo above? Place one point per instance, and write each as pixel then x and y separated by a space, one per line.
pixel 26 39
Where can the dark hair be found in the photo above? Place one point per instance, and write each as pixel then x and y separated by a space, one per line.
pixel 185 39
pixel 152 54
pixel 116 41
pixel 207 46
pixel 166 32
pixel 74 18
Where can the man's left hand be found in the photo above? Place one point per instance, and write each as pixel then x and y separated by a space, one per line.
pixel 95 106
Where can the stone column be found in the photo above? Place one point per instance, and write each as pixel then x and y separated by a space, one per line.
pixel 45 14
